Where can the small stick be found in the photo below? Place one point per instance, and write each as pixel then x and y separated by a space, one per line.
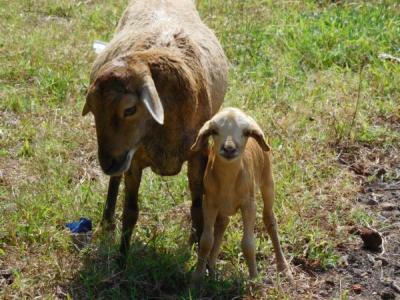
pixel 358 97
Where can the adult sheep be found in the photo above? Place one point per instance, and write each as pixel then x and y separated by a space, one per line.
pixel 152 88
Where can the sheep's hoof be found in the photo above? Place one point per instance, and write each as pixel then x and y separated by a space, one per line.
pixel 121 261
pixel 104 232
pixel 193 239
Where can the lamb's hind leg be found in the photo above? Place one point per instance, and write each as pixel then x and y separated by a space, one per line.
pixel 267 191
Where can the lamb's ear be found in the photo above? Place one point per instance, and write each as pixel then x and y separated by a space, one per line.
pixel 255 132
pixel 151 100
pixel 204 132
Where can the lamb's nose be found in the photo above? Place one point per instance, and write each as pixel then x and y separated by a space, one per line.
pixel 229 149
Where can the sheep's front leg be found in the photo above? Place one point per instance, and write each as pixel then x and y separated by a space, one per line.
pixel 196 168
pixel 206 242
pixel 248 240
pixel 131 208
pixel 107 221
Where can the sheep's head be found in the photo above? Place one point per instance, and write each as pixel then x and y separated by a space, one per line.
pixel 230 130
pixel 123 100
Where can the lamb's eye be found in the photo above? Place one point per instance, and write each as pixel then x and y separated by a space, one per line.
pixel 130 111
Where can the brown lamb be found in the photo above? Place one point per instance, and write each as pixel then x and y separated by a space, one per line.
pixel 239 163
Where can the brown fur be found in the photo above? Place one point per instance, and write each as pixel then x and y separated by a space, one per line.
pixel 239 162
pixel 152 88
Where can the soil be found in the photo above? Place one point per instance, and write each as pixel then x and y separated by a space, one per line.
pixel 370 274
pixel 364 273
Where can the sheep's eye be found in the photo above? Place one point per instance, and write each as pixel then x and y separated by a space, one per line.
pixel 130 111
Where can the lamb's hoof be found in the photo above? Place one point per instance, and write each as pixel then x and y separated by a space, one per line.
pixel 253 275
pixel 211 272
pixel 196 281
pixel 285 272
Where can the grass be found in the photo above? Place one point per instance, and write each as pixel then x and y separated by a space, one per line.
pixel 294 67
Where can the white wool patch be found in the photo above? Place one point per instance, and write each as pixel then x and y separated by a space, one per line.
pixel 98 46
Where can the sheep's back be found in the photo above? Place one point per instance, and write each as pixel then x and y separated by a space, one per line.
pixel 155 24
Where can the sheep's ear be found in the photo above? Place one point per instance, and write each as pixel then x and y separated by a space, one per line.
pixel 151 100
pixel 86 109
pixel 256 133
pixel 112 76
pixel 205 131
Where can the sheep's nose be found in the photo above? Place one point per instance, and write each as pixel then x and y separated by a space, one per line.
pixel 111 164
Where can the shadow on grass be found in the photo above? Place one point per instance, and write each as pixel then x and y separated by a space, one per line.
pixel 152 272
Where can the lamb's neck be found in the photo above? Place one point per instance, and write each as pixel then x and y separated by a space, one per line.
pixel 226 171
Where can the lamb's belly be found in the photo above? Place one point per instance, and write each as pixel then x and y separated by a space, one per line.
pixel 228 211
pixel 227 206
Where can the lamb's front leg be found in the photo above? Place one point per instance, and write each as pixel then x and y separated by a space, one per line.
pixel 248 241
pixel 206 242
pixel 219 229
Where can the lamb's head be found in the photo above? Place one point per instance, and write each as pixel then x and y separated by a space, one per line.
pixel 230 130
pixel 123 100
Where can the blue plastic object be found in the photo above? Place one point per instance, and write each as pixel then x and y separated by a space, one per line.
pixel 81 226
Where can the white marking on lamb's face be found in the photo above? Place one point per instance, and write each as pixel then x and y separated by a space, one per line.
pixel 229 140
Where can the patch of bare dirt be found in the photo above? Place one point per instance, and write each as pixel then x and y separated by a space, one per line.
pixel 365 273
pixel 369 263
pixel 392 121
pixel 367 160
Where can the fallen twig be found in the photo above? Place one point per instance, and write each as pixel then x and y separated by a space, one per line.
pixel 110 278
pixel 386 56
